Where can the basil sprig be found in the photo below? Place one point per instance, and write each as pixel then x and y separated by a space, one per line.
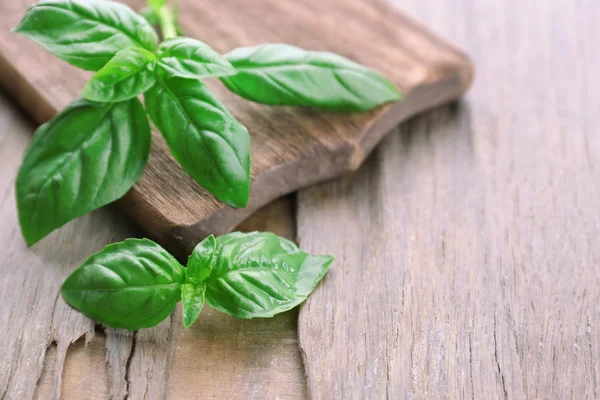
pixel 95 150
pixel 136 283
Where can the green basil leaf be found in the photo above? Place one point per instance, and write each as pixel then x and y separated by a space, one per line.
pixel 191 58
pixel 192 297
pixel 133 284
pixel 208 142
pixel 129 73
pixel 200 261
pixel 86 33
pixel 279 74
pixel 198 269
pixel 87 156
pixel 260 275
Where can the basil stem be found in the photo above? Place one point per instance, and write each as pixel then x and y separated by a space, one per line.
pixel 167 23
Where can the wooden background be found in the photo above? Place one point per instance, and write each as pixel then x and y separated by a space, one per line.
pixel 467 250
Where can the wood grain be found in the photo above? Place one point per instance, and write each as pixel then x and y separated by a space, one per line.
pixel 291 148
pixel 50 350
pixel 468 258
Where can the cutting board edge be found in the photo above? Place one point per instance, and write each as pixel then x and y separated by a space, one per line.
pixel 23 92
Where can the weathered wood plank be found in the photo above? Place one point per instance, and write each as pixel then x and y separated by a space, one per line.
pixel 468 258
pixel 83 372
pixel 291 147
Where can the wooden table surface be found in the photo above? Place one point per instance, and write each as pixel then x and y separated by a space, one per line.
pixel 468 250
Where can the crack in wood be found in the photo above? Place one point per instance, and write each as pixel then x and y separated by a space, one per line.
pixel 496 360
pixel 128 365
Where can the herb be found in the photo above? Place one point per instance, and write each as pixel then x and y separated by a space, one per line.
pixel 129 73
pixel 86 33
pixel 133 284
pixel 208 142
pixel 67 174
pixel 92 153
pixel 280 74
pixel 137 284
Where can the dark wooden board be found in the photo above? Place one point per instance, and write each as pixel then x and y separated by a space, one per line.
pixel 468 245
pixel 291 147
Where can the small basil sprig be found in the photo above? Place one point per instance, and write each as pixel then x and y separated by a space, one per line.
pixel 136 283
pixel 95 150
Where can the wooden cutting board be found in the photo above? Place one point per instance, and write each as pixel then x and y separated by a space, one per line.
pixel 291 147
